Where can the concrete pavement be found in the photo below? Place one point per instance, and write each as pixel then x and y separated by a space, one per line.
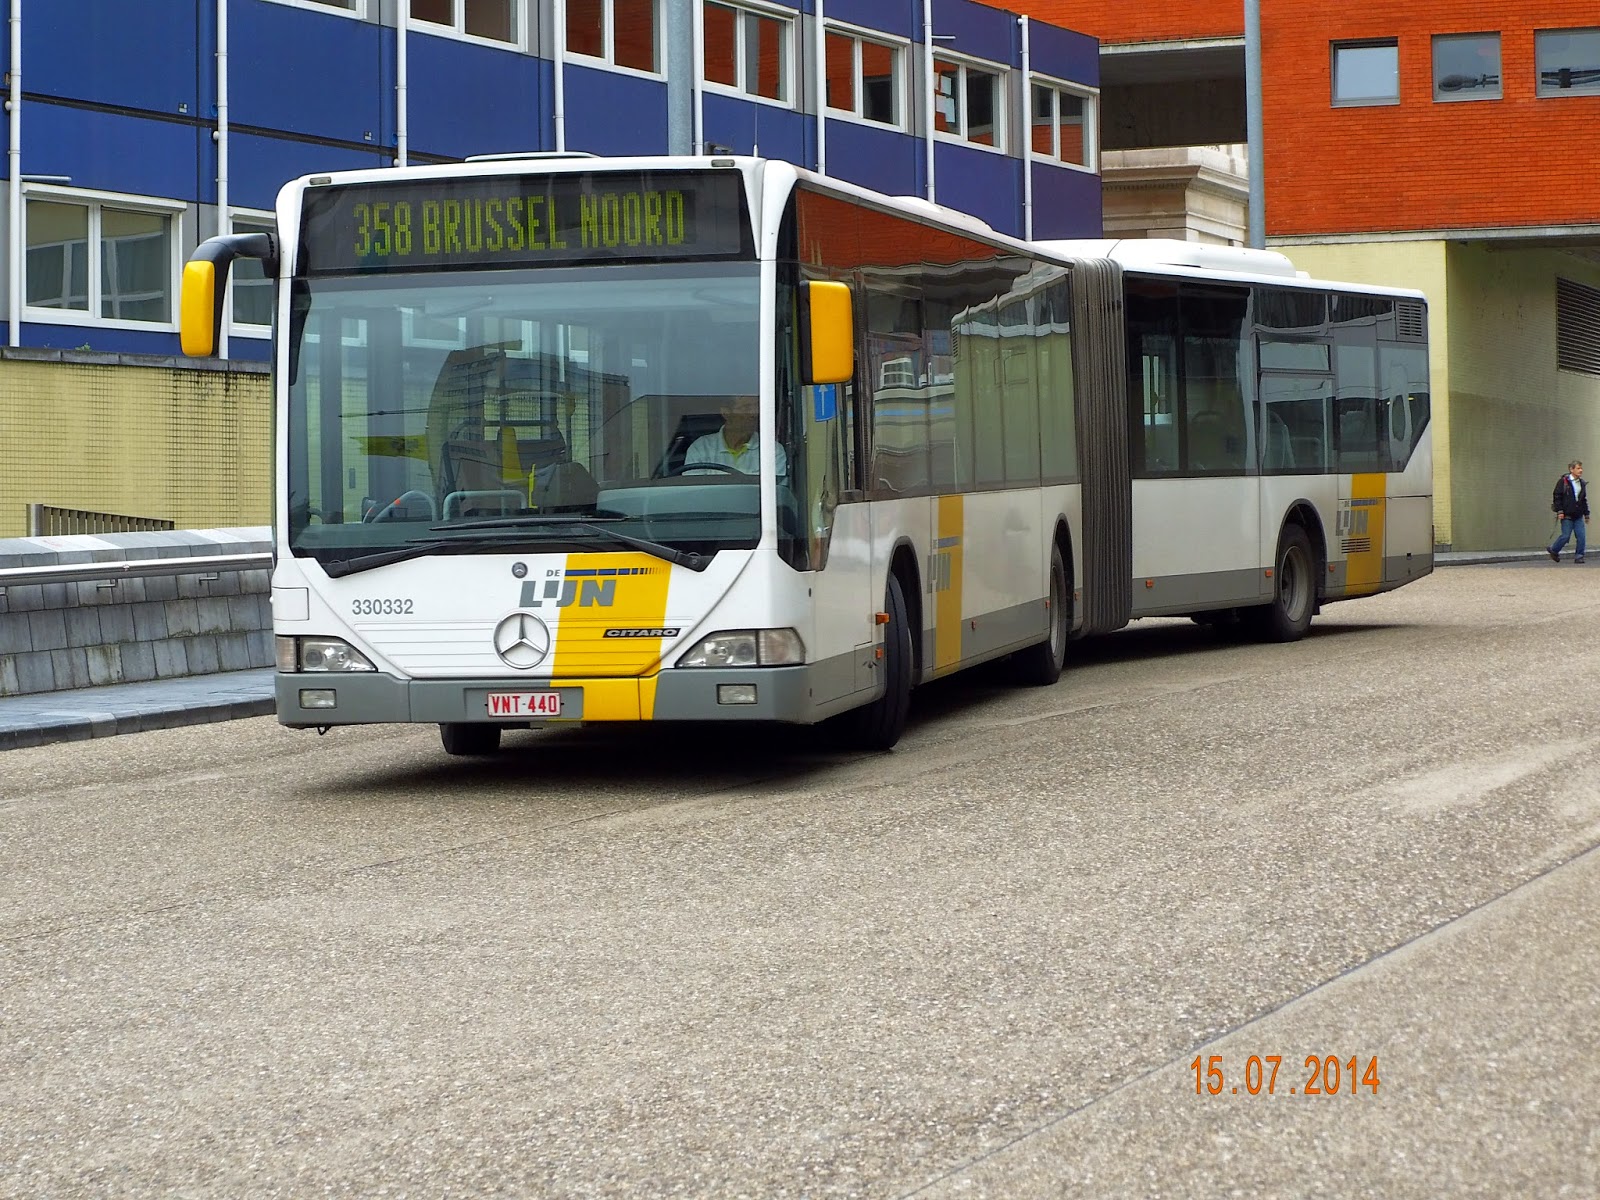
pixel 68 716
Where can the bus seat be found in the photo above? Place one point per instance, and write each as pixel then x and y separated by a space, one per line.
pixel 511 468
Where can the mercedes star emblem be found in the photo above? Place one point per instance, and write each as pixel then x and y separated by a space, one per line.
pixel 522 641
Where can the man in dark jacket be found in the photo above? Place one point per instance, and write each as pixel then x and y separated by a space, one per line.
pixel 1570 503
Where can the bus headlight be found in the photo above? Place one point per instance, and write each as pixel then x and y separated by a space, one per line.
pixel 320 654
pixel 747 648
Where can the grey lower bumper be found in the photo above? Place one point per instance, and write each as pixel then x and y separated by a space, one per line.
pixel 781 694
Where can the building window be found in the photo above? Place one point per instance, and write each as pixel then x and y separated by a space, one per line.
pixel 621 33
pixel 864 77
pixel 967 103
pixel 749 50
pixel 252 290
pixel 98 259
pixel 1577 327
pixel 1466 66
pixel 356 8
pixel 1366 72
pixel 491 20
pixel 1064 121
pixel 1568 61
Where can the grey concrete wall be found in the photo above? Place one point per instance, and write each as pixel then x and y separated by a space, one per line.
pixel 56 636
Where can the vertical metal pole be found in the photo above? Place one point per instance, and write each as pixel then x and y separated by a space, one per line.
pixel 14 157
pixel 1257 216
pixel 822 89
pixel 927 90
pixel 224 224
pixel 560 37
pixel 402 67
pixel 678 51
pixel 1027 132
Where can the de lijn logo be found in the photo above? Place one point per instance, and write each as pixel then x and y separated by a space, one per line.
pixel 595 588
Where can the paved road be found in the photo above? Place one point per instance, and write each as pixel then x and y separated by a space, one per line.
pixel 238 960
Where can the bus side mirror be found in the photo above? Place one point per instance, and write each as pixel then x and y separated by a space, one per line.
pixel 205 285
pixel 827 332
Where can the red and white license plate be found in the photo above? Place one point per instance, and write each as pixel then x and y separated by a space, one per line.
pixel 524 704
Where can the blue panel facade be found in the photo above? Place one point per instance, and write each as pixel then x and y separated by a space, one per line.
pixel 977 30
pixel 465 99
pixel 108 341
pixel 135 55
pixel 304 72
pixel 1066 203
pixel 745 127
pixel 109 151
pixel 903 18
pixel 1073 57
pixel 880 159
pixel 612 113
pixel 259 166
pixel 987 185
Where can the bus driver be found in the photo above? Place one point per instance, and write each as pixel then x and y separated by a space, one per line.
pixel 736 445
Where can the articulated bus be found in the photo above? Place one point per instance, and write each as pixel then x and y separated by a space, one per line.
pixel 931 445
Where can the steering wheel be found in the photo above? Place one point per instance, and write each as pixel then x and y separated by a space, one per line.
pixel 387 512
pixel 703 466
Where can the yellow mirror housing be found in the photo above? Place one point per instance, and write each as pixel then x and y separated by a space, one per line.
pixel 197 309
pixel 827 327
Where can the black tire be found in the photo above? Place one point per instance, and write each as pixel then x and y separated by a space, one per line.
pixel 1294 578
pixel 1040 666
pixel 878 726
pixel 474 739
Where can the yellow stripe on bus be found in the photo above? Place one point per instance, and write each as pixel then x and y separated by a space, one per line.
pixel 1364 567
pixel 613 598
pixel 947 562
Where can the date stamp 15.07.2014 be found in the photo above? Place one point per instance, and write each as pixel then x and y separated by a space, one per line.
pixel 1259 1075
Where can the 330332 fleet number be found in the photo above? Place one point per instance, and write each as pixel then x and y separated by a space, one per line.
pixel 381 608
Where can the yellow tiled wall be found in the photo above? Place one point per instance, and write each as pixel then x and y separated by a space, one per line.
pixel 192 446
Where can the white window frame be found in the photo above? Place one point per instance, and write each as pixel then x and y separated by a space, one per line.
pixel 789 19
pixel 95 201
pixel 358 11
pixel 1091 123
pixel 1002 74
pixel 457 29
pixel 254 216
pixel 608 35
pixel 901 49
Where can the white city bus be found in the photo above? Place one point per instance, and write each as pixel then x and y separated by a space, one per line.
pixel 967 447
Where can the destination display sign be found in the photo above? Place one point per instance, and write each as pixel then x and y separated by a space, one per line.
pixel 524 221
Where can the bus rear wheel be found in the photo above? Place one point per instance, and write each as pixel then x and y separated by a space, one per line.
pixel 474 739
pixel 1040 666
pixel 878 726
pixel 1294 576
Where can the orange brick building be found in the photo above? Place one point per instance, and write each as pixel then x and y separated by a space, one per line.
pixel 1450 146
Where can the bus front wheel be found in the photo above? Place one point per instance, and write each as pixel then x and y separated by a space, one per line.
pixel 469 739
pixel 878 726
pixel 1294 600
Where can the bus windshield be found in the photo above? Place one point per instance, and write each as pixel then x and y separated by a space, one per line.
pixel 440 406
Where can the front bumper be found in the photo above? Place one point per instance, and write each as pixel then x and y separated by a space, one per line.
pixel 686 694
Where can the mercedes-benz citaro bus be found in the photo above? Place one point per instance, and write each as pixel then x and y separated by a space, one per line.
pixel 570 439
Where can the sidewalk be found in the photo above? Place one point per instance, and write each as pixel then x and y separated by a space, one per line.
pixel 71 716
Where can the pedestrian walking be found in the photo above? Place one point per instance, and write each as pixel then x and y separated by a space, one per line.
pixel 1570 503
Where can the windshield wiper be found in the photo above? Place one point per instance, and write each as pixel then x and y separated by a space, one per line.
pixel 510 531
pixel 595 526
